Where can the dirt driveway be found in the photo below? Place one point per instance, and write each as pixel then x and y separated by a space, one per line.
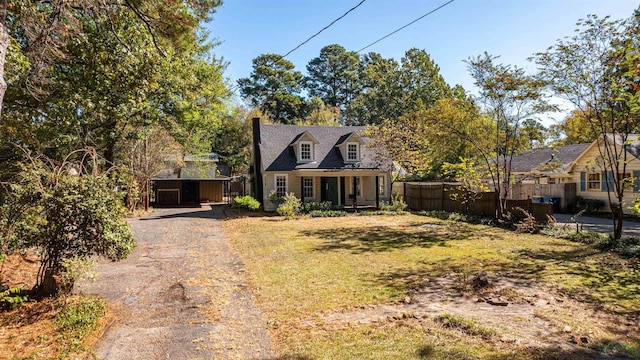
pixel 180 295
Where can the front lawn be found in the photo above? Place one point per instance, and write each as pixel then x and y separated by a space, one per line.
pixel 372 287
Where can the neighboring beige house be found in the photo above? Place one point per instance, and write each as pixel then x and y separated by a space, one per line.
pixel 591 178
pixel 546 165
pixel 318 163
pixel 579 164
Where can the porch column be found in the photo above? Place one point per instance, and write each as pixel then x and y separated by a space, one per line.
pixel 377 191
pixel 355 193
pixel 302 188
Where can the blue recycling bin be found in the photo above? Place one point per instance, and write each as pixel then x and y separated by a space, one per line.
pixel 554 201
pixel 537 199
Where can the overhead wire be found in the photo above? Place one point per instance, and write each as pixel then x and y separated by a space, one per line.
pixel 321 30
pixel 395 31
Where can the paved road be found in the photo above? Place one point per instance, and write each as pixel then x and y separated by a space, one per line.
pixel 601 225
pixel 180 295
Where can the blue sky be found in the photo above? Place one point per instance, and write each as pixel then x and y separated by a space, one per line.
pixel 513 29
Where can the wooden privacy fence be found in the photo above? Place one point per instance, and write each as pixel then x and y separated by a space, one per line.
pixel 440 196
pixel 566 192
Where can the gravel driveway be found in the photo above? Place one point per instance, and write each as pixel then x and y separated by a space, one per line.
pixel 180 295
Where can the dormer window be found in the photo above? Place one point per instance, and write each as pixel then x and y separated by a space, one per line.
pixel 353 152
pixel 306 151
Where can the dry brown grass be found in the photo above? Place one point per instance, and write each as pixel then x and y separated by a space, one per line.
pixel 29 331
pixel 333 288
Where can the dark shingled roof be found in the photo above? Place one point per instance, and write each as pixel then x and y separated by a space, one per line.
pixel 197 167
pixel 537 159
pixel 633 145
pixel 278 155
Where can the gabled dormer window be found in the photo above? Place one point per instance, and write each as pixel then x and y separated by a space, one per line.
pixel 353 151
pixel 306 151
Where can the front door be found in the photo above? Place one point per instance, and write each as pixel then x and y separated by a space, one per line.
pixel 329 187
pixel 190 193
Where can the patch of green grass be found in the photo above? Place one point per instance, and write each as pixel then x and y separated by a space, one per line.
pixel 467 326
pixel 76 320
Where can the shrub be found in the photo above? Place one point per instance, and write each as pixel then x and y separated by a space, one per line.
pixel 78 318
pixel 309 207
pixel 10 297
pixel 287 211
pixel 625 246
pixel 247 202
pixel 397 205
pixel 75 269
pixel 70 215
pixel 443 215
pixel 590 206
pixel 289 207
pixel 527 224
pixel 275 199
pixel 381 212
pixel 328 213
pixel 438 214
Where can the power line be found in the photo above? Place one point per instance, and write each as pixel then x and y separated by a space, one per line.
pixel 323 29
pixel 395 31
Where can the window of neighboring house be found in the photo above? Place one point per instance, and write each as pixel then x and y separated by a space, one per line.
pixel 352 152
pixel 593 182
pixel 626 179
pixel 357 179
pixel 306 151
pixel 552 180
pixel 381 186
pixel 307 187
pixel 281 185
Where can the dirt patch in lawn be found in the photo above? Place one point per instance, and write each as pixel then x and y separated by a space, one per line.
pixel 523 313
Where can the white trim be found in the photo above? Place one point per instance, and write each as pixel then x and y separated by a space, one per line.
pixel 286 182
pixel 599 188
pixel 312 188
pixel 311 151
pixel 357 158
pixel 384 186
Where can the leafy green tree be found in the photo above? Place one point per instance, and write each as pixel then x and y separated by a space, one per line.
pixel 574 129
pixel 232 140
pixel 421 80
pixel 333 76
pixel 106 89
pixel 404 140
pixel 43 27
pixel 471 175
pixel 597 71
pixel 392 89
pixel 533 134
pixel 507 98
pixel 143 156
pixel 274 87
pixel 424 140
pixel 381 92
pixel 319 113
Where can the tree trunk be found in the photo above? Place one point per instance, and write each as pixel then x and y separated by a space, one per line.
pixel 146 195
pixel 4 46
pixel 618 217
